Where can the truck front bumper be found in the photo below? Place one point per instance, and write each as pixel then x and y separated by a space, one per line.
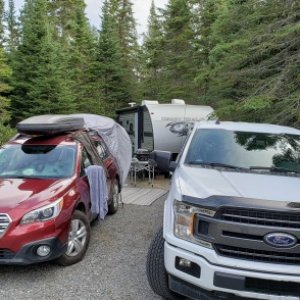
pixel 219 282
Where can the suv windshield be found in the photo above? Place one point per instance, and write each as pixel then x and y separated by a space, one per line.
pixel 37 161
pixel 245 150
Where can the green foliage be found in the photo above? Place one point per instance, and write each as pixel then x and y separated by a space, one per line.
pixel 241 57
pixel 179 68
pixel 121 11
pixel 253 65
pixel 12 28
pixel 39 79
pixel 153 57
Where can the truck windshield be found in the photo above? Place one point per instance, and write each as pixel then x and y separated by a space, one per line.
pixel 37 161
pixel 245 150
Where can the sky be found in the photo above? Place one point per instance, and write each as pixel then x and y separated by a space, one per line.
pixel 141 10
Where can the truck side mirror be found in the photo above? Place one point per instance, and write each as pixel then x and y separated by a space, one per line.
pixel 162 159
pixel 173 166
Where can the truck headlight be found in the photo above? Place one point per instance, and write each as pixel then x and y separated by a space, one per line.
pixel 44 213
pixel 185 216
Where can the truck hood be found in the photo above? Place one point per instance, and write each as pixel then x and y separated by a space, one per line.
pixel 29 192
pixel 201 182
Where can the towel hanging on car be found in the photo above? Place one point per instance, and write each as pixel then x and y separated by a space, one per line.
pixel 98 190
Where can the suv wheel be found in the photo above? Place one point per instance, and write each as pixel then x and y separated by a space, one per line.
pixel 115 198
pixel 156 273
pixel 79 238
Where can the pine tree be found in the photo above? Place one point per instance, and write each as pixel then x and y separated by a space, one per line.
pixel 12 28
pixel 113 91
pixel 121 10
pixel 75 34
pixel 2 14
pixel 254 62
pixel 152 56
pixel 179 69
pixel 81 58
pixel 5 74
pixel 204 15
pixel 39 77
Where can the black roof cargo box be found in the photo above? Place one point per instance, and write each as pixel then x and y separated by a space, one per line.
pixel 50 124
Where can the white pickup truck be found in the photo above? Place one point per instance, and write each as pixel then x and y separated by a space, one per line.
pixel 232 218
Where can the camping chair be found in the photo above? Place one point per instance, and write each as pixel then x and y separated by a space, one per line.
pixel 150 168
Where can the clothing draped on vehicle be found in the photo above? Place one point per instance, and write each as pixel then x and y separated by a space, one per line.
pixel 98 190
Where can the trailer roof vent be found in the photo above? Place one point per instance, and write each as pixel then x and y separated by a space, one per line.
pixel 146 102
pixel 178 101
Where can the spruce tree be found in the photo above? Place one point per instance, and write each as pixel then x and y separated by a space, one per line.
pixel 39 78
pixel 12 28
pixel 76 37
pixel 81 58
pixel 121 10
pixel 152 56
pixel 2 14
pixel 179 69
pixel 113 91
pixel 5 74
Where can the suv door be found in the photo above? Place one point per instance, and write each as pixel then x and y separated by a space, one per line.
pixel 83 182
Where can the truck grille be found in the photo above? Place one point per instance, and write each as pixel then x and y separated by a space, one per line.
pixel 4 223
pixel 260 217
pixel 258 255
pixel 6 254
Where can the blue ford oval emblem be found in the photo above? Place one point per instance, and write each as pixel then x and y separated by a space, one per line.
pixel 280 240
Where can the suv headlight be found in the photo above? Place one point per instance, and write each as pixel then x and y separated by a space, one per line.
pixel 185 216
pixel 44 213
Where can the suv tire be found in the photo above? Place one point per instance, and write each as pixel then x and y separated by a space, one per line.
pixel 115 197
pixel 79 238
pixel 156 272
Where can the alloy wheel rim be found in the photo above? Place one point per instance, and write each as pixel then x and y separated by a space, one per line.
pixel 77 238
pixel 115 196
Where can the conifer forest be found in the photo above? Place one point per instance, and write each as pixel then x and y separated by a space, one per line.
pixel 242 57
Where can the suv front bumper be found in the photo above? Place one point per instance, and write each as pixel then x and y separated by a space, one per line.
pixel 28 255
pixel 219 281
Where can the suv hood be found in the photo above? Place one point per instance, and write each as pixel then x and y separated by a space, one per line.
pixel 201 182
pixel 29 192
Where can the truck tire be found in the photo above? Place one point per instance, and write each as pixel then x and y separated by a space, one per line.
pixel 79 234
pixel 114 198
pixel 156 272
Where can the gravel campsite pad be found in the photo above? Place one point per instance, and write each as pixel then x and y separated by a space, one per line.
pixel 114 266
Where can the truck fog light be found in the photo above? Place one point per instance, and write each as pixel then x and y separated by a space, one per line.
pixel 184 263
pixel 186 266
pixel 43 250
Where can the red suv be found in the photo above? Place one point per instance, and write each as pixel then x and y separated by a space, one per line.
pixel 45 206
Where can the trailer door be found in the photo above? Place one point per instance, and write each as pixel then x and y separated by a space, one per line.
pixel 130 122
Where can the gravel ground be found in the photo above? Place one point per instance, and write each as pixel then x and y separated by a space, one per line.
pixel 113 268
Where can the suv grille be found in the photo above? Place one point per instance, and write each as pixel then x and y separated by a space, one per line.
pixel 260 217
pixel 6 254
pixel 4 223
pixel 258 255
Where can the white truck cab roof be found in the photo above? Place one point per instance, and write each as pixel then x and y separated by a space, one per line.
pixel 247 127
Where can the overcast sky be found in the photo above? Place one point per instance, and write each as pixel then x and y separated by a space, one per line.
pixel 141 11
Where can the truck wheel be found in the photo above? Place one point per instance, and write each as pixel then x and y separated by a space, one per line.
pixel 156 273
pixel 115 197
pixel 79 238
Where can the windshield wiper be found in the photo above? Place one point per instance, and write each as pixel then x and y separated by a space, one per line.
pixel 274 169
pixel 216 164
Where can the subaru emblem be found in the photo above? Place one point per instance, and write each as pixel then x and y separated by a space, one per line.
pixel 280 240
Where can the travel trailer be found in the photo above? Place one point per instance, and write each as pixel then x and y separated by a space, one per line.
pixel 164 127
